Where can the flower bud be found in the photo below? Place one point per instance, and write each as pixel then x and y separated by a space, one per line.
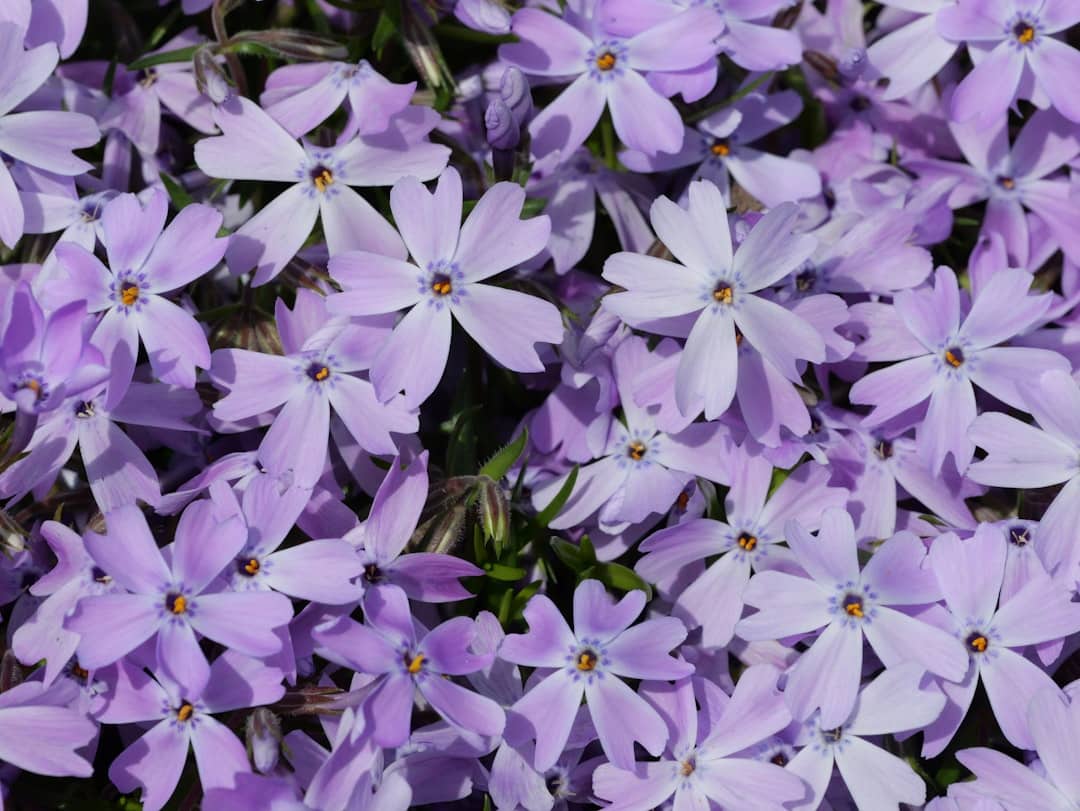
pixel 502 128
pixel 494 510
pixel 209 77
pixel 262 734
pixel 515 93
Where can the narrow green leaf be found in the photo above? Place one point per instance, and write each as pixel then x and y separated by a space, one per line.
pixel 499 571
pixel 568 553
pixel 498 465
pixel 177 193
pixel 533 207
pixel 549 512
pixel 164 58
pixel 621 578
pixel 588 553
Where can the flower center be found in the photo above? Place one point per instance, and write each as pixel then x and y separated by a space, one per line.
pixel 805 281
pixel 322 177
pixel 746 541
pixel 318 372
pixel 606 61
pixel 954 356
pixel 372 573
pixel 185 711
pixel 683 500
pixel 176 603
pixel 721 148
pixel 248 566
pixel 1006 182
pixel 441 285
pixel 636 450
pixel 977 642
pixel 853 606
pixel 129 293
pixel 687 767
pixel 147 77
pixel 100 575
pixel 586 661
pixel 1024 32
pixel 833 735
pixel 780 759
pixel 1019 536
pixel 80 673
pixel 723 293
pixel 84 410
pixel 883 449
pixel 414 663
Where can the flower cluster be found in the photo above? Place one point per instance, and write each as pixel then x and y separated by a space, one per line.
pixel 619 404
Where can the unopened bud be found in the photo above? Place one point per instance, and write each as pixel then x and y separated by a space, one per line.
pixel 209 77
pixel 11 672
pixel 823 64
pixel 262 734
pixel 515 93
pixel 494 510
pixel 502 128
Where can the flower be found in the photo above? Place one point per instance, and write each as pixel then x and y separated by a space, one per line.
pixel 721 289
pixel 587 662
pixel 449 261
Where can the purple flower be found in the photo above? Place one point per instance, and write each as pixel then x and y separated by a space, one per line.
pixel 254 146
pixel 405 662
pixel 182 714
pixel 702 762
pixel 1055 725
pixel 45 359
pixel 1020 55
pixel 911 54
pixel 43 139
pixel 449 261
pixel 302 96
pixel 713 598
pixel 144 263
pixel 1025 456
pixel 893 702
pixel 641 470
pixel 318 374
pixel 720 147
pixel 947 357
pixel 609 73
pixel 173 602
pixel 849 605
pixel 971 575
pixel 721 290
pixel 587 662
pixel 378 542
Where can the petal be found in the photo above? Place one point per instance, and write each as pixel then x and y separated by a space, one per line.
pixel 22 71
pixel 771 251
pixel 493 237
pixel 396 509
pixel 413 358
pixel 548 642
pixel 773 179
pixel 1011 782
pixel 643 119
pixel 272 237
pixel 1057 68
pixel 370 422
pixel 320 571
pixel 685 236
pixel 599 616
pixel 549 710
pixel 733 782
pixel 896 388
pixel 186 249
pixel 46 138
pixel 219 754
pixel 428 223
pixel 787 605
pixel 1054 728
pixel 297 439
pixel 655 288
pixel 350 223
pixel 647 787
pixel 131 228
pixel 12 217
pixel 117 336
pixel 990 88
pixel 877 779
pixel 1011 681
pixel 621 717
pixel 778 334
pixel 112 625
pixel 708 369
pixel 1018 454
pixel 548 46
pixel 462 707
pixel 129 553
pixel 566 122
pixel 696 30
pixel 45 740
pixel 117 470
pixel 1004 371
pixel 174 341
pixel 204 545
pixel 252 147
pixel 256 382
pixel 641 652
pixel 153 763
pixel 714 600
pixel 1040 611
pixel 898 638
pixel 827 676
pixel 832 557
pixel 755 712
pixel 243 621
pixel 970 572
pixel 507 324
pixel 448 648
pixel 356 646
pixel 180 657
pixel 373 284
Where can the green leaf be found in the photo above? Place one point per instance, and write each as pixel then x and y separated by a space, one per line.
pixel 621 578
pixel 533 207
pixel 499 571
pixel 498 465
pixel 164 58
pixel 549 512
pixel 588 553
pixel 568 553
pixel 177 193
pixel 386 27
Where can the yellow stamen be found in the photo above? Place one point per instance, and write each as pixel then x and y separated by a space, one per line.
pixel 1007 183
pixel 176 603
pixel 747 541
pixel 185 712
pixel 129 293
pixel 323 179
pixel 606 61
pixel 723 293
pixel 442 286
pixel 636 450
pixel 687 768
pixel 854 609
pixel 721 149
pixel 80 672
pixel 415 664
pixel 954 358
pixel 978 643
pixel 322 374
pixel 252 566
pixel 1024 33
pixel 586 661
